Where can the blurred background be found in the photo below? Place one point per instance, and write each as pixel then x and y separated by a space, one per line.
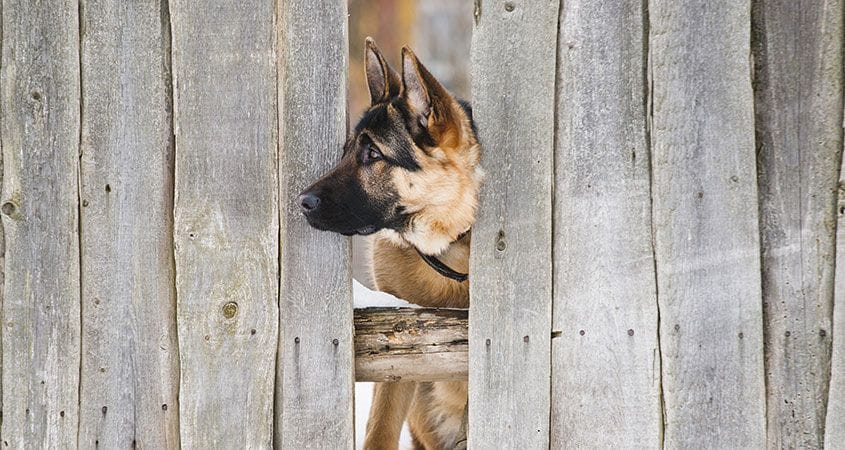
pixel 439 32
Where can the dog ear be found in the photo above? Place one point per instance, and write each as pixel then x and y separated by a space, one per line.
pixel 429 100
pixel 414 87
pixel 382 80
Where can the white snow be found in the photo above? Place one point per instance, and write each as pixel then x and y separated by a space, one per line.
pixel 364 297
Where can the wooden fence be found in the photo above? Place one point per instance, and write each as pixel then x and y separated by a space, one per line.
pixel 653 265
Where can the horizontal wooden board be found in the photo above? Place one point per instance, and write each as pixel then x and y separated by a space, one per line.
pixel 411 344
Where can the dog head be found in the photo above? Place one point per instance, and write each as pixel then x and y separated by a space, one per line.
pixel 410 168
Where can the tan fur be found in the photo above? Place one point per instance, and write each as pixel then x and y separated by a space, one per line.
pixel 442 197
pixel 437 409
pixel 415 185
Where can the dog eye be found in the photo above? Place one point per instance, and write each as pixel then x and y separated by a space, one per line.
pixel 373 154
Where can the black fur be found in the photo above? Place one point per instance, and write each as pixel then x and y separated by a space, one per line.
pixel 358 196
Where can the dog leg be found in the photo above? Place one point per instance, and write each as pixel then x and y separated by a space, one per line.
pixel 462 437
pixel 387 414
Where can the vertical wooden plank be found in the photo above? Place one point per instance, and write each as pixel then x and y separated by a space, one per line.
pixel 606 362
pixel 315 368
pixel 834 431
pixel 2 233
pixel 40 132
pixel 130 374
pixel 226 220
pixel 705 224
pixel 513 56
pixel 798 79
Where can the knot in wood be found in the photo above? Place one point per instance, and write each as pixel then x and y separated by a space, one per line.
pixel 9 208
pixel 230 310
pixel 501 245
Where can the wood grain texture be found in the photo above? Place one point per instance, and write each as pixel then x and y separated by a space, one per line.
pixel 606 362
pixel 834 431
pixel 40 133
pixel 798 74
pixel 411 344
pixel 314 386
pixel 130 366
pixel 2 232
pixel 513 58
pixel 226 220
pixel 705 224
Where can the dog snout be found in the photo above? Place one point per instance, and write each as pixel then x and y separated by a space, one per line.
pixel 309 201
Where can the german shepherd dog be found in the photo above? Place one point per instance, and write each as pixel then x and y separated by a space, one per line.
pixel 409 176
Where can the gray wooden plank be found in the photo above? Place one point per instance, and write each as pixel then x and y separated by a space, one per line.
pixel 513 59
pixel 315 371
pixel 130 373
pixel 226 220
pixel 40 133
pixel 798 79
pixel 606 362
pixel 705 224
pixel 411 344
pixel 834 430
pixel 2 235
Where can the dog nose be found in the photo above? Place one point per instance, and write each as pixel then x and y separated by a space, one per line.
pixel 309 201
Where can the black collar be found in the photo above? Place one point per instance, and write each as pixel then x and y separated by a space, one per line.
pixel 442 268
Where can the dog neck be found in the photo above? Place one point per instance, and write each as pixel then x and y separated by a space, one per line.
pixel 442 268
pixel 399 270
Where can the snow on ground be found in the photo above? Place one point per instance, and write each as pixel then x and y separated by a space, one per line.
pixel 366 298
pixel 363 297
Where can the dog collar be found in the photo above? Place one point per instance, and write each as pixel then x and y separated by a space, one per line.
pixel 442 268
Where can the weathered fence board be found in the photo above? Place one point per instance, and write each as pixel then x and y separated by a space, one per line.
pixel 513 58
pixel 315 371
pixel 834 431
pixel 410 344
pixel 130 374
pixel 705 224
pixel 606 361
pixel 226 220
pixel 798 78
pixel 40 132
